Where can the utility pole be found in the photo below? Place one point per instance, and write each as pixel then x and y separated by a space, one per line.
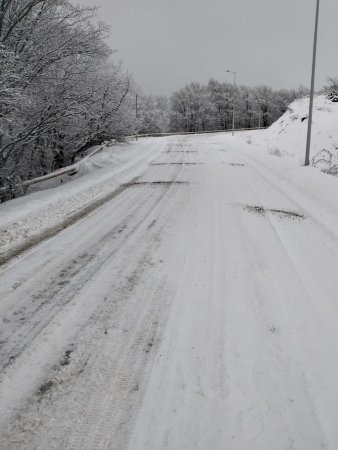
pixel 136 115
pixel 233 106
pixel 308 140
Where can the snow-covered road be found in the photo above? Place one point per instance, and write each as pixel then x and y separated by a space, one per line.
pixel 195 308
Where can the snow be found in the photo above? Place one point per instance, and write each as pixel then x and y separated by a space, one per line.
pixel 287 136
pixel 195 315
pixel 29 216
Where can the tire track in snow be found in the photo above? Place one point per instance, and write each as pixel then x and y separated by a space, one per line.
pixel 52 231
pixel 20 325
pixel 140 240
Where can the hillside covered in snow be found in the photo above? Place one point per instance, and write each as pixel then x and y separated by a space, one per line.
pixel 287 136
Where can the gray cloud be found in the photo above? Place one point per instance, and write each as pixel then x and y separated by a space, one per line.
pixel 167 44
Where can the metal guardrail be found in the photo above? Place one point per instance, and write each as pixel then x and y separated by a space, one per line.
pixel 70 170
pixel 183 133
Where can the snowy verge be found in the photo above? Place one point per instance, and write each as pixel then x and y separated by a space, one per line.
pixel 287 136
pixel 98 176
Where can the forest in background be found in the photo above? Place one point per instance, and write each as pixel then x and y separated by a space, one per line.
pixel 198 108
pixel 62 92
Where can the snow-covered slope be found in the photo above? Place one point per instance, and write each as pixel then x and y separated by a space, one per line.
pixel 287 136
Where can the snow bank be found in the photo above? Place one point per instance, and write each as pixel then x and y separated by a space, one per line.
pixel 97 176
pixel 287 136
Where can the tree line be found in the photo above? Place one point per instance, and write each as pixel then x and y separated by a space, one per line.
pixel 198 107
pixel 60 92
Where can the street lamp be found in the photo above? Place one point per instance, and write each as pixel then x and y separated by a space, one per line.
pixel 233 106
pixel 136 116
pixel 308 140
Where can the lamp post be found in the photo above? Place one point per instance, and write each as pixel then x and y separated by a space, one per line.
pixel 136 115
pixel 233 106
pixel 308 140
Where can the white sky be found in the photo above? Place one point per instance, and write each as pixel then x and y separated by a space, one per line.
pixel 168 43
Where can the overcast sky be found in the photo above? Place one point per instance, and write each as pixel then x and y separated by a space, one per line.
pixel 168 43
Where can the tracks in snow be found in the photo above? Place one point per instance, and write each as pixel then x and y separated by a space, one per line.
pixel 87 326
pixel 171 319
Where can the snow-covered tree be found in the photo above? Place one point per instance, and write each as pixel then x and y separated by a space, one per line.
pixel 59 90
pixel 153 114
pixel 206 108
pixel 190 109
pixel 332 89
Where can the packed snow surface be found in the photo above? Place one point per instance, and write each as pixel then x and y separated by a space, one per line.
pixel 189 302
pixel 58 199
